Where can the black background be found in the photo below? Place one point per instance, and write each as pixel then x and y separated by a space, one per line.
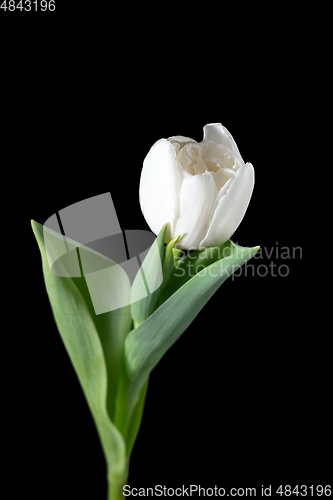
pixel 242 398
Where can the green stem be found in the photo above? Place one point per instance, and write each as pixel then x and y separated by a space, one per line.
pixel 115 490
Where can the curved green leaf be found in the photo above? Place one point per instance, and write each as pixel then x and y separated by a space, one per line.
pixel 78 327
pixel 145 345
pixel 148 281
pixel 185 268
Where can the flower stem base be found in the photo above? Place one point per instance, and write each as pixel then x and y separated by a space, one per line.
pixel 115 491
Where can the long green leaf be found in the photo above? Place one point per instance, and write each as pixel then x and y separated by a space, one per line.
pixel 148 281
pixel 77 325
pixel 185 268
pixel 145 345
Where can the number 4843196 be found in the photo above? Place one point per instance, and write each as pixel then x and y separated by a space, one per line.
pixel 303 490
pixel 28 5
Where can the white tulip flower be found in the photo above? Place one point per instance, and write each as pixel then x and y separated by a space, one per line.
pixel 201 189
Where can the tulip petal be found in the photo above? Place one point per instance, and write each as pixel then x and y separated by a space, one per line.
pixel 197 197
pixel 179 141
pixel 159 187
pixel 215 132
pixel 211 151
pixel 221 177
pixel 231 207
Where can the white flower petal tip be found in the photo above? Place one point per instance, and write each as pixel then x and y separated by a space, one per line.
pixel 216 132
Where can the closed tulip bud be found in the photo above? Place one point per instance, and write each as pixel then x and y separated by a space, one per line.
pixel 201 189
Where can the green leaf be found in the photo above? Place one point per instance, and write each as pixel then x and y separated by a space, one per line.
pixel 135 420
pixel 177 252
pixel 90 341
pixel 146 286
pixel 168 262
pixel 146 345
pixel 185 268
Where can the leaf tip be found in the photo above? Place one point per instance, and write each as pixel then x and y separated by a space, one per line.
pixel 253 251
pixel 178 238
